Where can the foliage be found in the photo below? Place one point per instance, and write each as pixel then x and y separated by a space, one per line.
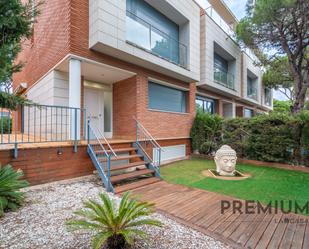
pixel 10 184
pixel 278 76
pixel 235 133
pixel 205 132
pixel 271 138
pixel 5 125
pixel 114 227
pixel 16 20
pixel 265 185
pixel 277 30
pixel 11 101
pixel 274 137
pixel 281 106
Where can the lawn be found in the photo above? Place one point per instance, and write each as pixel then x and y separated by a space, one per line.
pixel 266 184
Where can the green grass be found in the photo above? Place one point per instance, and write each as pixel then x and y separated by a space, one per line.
pixel 266 184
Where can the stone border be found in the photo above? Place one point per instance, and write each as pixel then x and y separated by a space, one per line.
pixel 260 163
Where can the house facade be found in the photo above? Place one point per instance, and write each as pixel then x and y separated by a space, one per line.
pixel 231 81
pixel 151 61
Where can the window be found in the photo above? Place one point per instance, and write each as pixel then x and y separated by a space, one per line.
pixel 252 88
pixel 267 98
pixel 166 98
pixel 221 74
pixel 149 29
pixel 248 113
pixel 205 105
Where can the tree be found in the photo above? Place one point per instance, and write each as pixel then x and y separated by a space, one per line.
pixel 278 32
pixel 281 106
pixel 16 20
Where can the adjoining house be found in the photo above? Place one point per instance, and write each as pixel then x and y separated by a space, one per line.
pixel 134 68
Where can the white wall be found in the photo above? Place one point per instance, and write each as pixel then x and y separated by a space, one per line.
pixel 107 34
pixel 211 33
pixel 48 122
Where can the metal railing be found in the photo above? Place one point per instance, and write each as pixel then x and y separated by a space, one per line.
pixel 224 78
pixel 148 145
pixel 99 155
pixel 42 123
pixel 144 35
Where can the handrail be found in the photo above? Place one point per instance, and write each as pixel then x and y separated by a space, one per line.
pixel 106 141
pixel 147 132
pixel 155 160
pixel 96 137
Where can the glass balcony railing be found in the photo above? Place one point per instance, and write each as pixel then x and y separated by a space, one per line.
pixel 224 78
pixel 252 93
pixel 143 35
pixel 268 97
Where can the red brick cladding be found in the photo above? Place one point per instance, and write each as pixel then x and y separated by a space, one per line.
pixel 130 98
pixel 41 165
pixel 50 41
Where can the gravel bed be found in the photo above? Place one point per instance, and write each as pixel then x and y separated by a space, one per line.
pixel 40 222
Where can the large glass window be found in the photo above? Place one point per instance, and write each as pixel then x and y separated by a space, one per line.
pixel 205 105
pixel 166 98
pixel 252 88
pixel 148 28
pixel 221 74
pixel 267 98
pixel 248 113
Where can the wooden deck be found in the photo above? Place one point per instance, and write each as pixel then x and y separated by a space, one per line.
pixel 30 141
pixel 201 209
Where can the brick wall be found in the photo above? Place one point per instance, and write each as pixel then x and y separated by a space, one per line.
pixel 49 44
pixel 130 98
pixel 41 165
pixel 124 108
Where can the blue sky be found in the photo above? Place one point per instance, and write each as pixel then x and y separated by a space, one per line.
pixel 238 7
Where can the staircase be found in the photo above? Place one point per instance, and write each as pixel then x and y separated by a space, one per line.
pixel 123 169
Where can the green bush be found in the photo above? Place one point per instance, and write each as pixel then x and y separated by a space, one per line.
pixel 5 125
pixel 274 137
pixel 115 228
pixel 235 134
pixel 10 184
pixel 270 138
pixel 206 132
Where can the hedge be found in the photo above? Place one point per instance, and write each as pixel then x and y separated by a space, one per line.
pixel 274 137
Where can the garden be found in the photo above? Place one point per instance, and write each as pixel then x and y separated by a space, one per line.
pixel 265 185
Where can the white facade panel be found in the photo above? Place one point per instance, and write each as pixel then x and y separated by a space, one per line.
pixel 170 153
pixel 107 34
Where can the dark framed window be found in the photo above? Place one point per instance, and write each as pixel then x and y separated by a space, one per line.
pixel 248 113
pixel 166 98
pixel 205 104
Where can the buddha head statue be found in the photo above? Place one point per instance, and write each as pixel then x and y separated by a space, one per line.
pixel 225 159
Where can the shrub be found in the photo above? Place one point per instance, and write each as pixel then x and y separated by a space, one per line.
pixel 10 184
pixel 115 228
pixel 206 132
pixel 274 137
pixel 5 125
pixel 270 138
pixel 234 132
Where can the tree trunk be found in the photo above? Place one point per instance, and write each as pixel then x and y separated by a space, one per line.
pixel 300 95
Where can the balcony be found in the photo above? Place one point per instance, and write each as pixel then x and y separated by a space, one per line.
pixel 143 35
pixel 224 78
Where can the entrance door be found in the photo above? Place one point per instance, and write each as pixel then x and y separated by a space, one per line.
pixel 94 105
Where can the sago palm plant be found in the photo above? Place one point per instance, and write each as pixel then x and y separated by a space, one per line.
pixel 114 227
pixel 10 184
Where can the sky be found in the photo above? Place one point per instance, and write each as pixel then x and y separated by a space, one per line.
pixel 238 7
